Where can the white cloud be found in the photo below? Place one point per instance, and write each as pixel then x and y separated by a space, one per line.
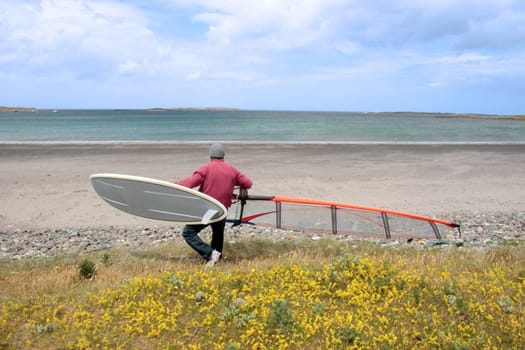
pixel 274 24
pixel 268 44
pixel 73 35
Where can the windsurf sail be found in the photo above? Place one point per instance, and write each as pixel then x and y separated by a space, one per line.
pixel 335 217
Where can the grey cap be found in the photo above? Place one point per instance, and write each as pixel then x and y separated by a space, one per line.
pixel 216 151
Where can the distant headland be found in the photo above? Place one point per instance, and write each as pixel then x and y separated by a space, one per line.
pixel 484 116
pixel 156 109
pixel 18 109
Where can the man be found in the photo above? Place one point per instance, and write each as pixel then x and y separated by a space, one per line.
pixel 216 179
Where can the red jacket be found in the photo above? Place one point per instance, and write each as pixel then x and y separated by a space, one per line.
pixel 217 179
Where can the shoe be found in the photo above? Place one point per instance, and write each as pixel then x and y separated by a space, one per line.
pixel 215 256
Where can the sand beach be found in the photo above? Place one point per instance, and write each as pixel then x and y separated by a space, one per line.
pixel 47 187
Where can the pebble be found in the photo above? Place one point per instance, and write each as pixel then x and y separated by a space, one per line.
pixel 482 231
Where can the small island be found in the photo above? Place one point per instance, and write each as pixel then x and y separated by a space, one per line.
pixel 159 109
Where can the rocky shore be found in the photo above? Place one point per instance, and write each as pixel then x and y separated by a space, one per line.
pixel 479 231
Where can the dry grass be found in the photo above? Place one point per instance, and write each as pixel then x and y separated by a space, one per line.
pixel 23 280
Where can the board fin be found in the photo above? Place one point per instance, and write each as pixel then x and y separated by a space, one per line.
pixel 208 215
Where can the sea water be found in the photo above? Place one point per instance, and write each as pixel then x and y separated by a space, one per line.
pixel 79 126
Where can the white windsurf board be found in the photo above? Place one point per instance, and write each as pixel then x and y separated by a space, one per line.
pixel 158 200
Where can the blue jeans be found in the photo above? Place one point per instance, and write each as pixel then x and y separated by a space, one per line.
pixel 191 236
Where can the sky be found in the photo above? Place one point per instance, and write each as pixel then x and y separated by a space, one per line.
pixel 459 56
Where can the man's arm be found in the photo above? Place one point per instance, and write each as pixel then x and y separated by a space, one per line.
pixel 192 181
pixel 244 181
